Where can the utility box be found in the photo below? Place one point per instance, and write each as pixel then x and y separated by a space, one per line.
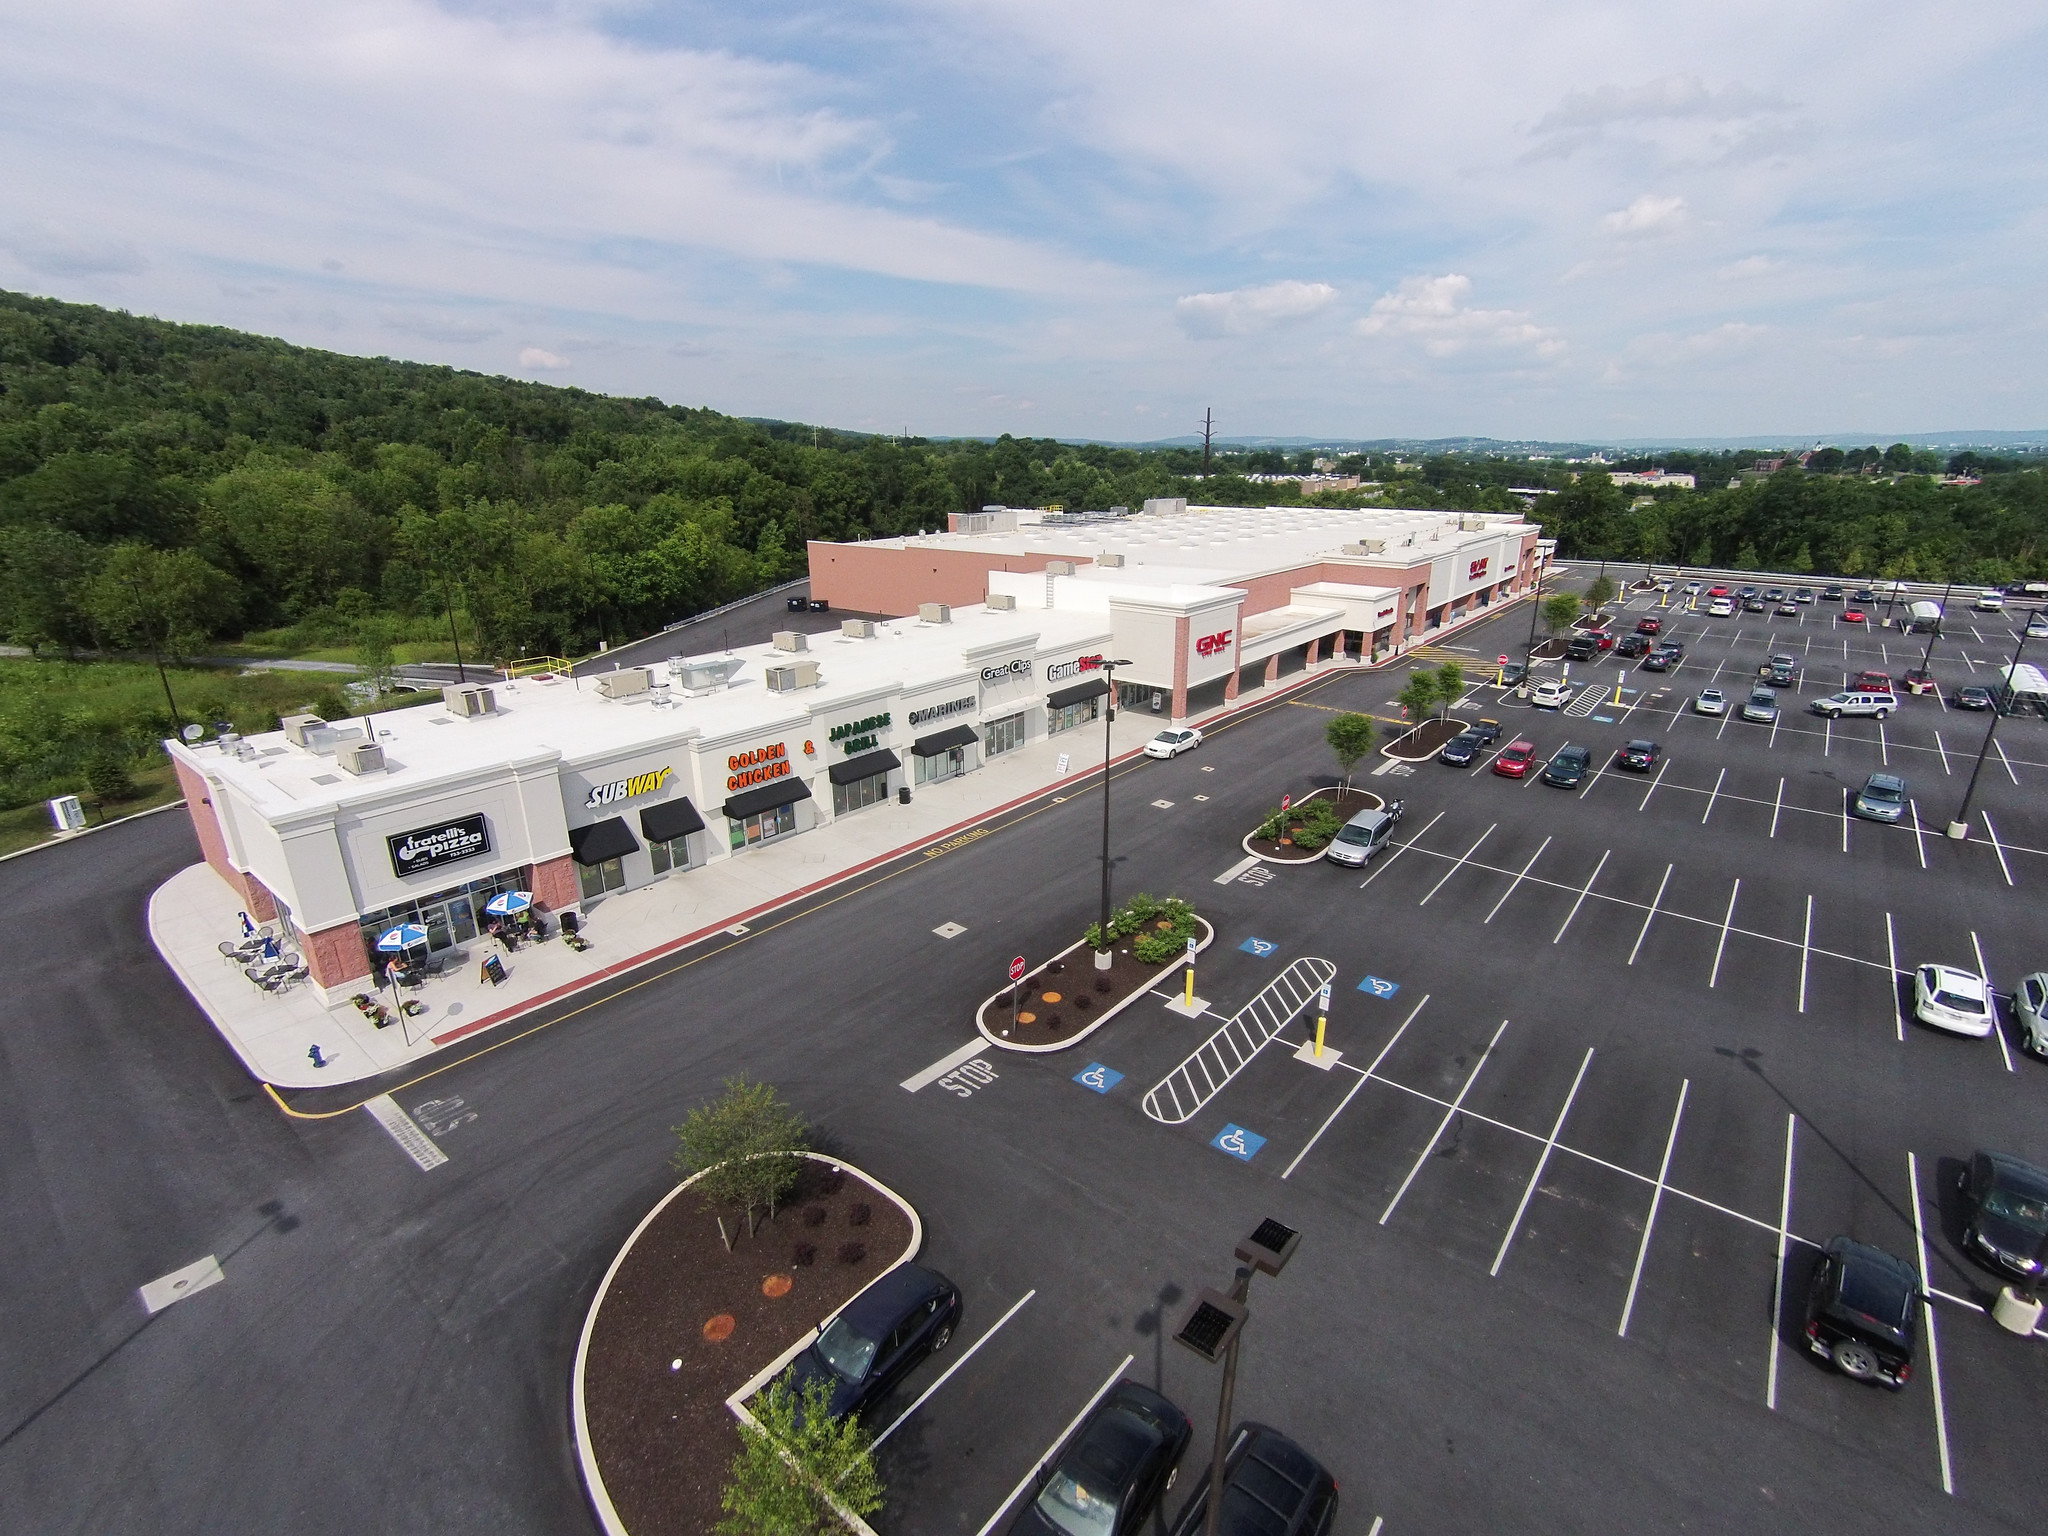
pixel 67 813
pixel 791 677
pixel 934 613
pixel 857 629
pixel 296 726
pixel 359 757
pixel 626 683
pixel 790 640
pixel 468 700
pixel 1001 602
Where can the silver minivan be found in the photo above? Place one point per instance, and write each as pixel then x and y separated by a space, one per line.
pixel 1360 838
pixel 1855 701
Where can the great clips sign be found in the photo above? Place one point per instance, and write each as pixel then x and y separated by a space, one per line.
pixel 449 842
pixel 1214 645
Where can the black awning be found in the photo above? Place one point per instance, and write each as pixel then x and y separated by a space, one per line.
pixel 1094 688
pixel 601 840
pixel 944 741
pixel 866 766
pixel 670 820
pixel 768 796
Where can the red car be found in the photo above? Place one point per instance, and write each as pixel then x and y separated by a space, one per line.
pixel 1649 626
pixel 1873 682
pixel 1852 616
pixel 1514 762
pixel 1717 591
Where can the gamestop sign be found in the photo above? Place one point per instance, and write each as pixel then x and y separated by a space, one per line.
pixel 1213 645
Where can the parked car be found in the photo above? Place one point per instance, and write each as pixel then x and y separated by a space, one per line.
pixel 1774 595
pixel 1567 766
pixel 1364 835
pixel 1882 798
pixel 1582 647
pixel 1753 605
pixel 1639 755
pixel 1779 670
pixel 1873 682
pixel 1717 592
pixel 1853 701
pixel 1115 1469
pixel 2037 626
pixel 1664 657
pixel 874 1340
pixel 1271 1487
pixel 1831 594
pixel 1953 1000
pixel 1971 696
pixel 1989 602
pixel 1852 616
pixel 1863 1312
pixel 1761 706
pixel 1551 695
pixel 2030 1002
pixel 1711 701
pixel 1919 680
pixel 1803 595
pixel 1721 608
pixel 1460 749
pixel 1746 593
pixel 1863 595
pixel 1512 673
pixel 2008 1213
pixel 1693 589
pixel 1514 760
pixel 1649 625
pixel 1632 646
pixel 1487 730
pixel 1171 743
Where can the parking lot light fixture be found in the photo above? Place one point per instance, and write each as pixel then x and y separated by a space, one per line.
pixel 1106 954
pixel 1269 1246
pixel 1215 1321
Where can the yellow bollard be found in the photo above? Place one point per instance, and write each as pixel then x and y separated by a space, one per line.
pixel 1189 999
pixel 1322 1021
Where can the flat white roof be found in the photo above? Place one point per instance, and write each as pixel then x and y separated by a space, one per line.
pixel 427 744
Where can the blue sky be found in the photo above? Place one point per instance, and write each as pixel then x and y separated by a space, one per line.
pixel 1041 216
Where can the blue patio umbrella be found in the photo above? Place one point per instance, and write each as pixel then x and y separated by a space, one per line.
pixel 404 936
pixel 509 903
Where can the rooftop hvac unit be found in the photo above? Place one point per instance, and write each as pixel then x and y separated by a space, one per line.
pixel 359 757
pixel 934 613
pixel 1001 602
pixel 790 640
pixel 857 629
pixel 296 726
pixel 792 676
pixel 626 683
pixel 469 700
pixel 1471 525
pixel 1059 567
pixel 703 674
pixel 1109 562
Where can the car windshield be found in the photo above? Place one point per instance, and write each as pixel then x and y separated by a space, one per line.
pixel 1890 793
pixel 846 1350
pixel 2022 1210
pixel 1171 737
pixel 1351 834
pixel 1875 1294
pixel 1075 1509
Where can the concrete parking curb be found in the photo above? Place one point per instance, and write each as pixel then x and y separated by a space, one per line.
pixel 1273 858
pixel 586 1456
pixel 1115 1008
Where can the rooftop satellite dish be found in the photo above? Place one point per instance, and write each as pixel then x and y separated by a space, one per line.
pixel 193 732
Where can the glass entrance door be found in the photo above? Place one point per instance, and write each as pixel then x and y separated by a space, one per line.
pixel 598 878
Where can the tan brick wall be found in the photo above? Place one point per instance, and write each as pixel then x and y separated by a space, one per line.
pixel 555 885
pixel 336 956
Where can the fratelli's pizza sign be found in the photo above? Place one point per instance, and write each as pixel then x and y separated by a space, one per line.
pixel 626 789
pixel 446 843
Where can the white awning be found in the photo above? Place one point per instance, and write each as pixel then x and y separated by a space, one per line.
pixel 2026 678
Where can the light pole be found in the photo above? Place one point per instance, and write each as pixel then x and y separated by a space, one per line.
pixel 1935 633
pixel 1212 1327
pixel 1105 954
pixel 1959 829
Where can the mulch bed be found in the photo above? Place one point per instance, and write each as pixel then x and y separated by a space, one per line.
pixel 663 1438
pixel 1422 742
pixel 1345 802
pixel 1069 995
pixel 1548 650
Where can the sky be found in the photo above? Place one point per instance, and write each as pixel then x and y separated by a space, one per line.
pixel 1341 218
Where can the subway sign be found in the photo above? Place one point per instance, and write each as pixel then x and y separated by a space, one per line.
pixel 626 789
pixel 1212 645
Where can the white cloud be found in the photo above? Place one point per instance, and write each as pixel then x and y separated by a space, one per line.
pixel 54 252
pixel 539 360
pixel 1748 267
pixel 1433 310
pixel 1672 96
pixel 1649 215
pixel 1240 311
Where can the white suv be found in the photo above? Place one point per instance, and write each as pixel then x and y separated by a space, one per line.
pixel 1855 702
pixel 1551 695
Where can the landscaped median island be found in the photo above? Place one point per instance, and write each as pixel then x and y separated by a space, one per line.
pixel 1308 824
pixel 1068 998
pixel 721 1283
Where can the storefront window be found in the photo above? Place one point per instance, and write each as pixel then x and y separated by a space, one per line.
pixel 761 828
pixel 1057 720
pixel 1004 735
pixel 673 854
pixel 941 765
pixel 859 794
pixel 599 878
pixel 449 916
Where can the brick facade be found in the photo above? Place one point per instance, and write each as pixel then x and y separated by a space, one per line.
pixel 555 885
pixel 336 956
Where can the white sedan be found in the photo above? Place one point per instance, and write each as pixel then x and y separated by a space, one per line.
pixel 1173 743
pixel 1712 701
pixel 1551 695
pixel 1957 1001
pixel 1990 602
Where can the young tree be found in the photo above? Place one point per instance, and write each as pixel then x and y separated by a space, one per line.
pixel 1350 737
pixel 748 1145
pixel 1450 685
pixel 1417 696
pixel 798 1467
pixel 1559 609
pixel 1601 592
pixel 374 654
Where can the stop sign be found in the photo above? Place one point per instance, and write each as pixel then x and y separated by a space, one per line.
pixel 1017 969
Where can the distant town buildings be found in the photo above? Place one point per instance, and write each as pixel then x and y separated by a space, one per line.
pixel 1653 478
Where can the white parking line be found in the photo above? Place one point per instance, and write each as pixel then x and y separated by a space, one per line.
pixel 1549 1146
pixel 1504 895
pixel 1948 1481
pixel 1891 954
pixel 1399 850
pixel 1723 774
pixel 1884 750
pixel 1845 818
pixel 1363 1078
pixel 942 1066
pixel 1459 865
pixel 1651 914
pixel 1805 952
pixel 1726 921
pixel 1778 1285
pixel 1444 1124
pixel 1919 833
pixel 1236 869
pixel 1944 754
pixel 897 1423
pixel 1582 896
pixel 1998 848
pixel 1991 1000
pixel 1653 784
pixel 1777 806
pixel 1999 748
pixel 1072 1424
pixel 1657 1199
pixel 1776 716
pixel 1827 731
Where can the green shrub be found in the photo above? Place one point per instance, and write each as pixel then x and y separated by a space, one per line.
pixel 106 773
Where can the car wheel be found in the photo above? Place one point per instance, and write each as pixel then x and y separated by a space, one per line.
pixel 1882 713
pixel 1857 1361
pixel 942 1338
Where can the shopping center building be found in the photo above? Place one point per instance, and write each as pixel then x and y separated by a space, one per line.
pixel 575 787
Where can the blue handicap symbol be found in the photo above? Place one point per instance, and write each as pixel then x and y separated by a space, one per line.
pixel 1379 986
pixel 1238 1142
pixel 1259 947
pixel 1098 1077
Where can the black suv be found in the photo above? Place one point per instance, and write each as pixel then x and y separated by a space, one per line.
pixel 2007 1227
pixel 1581 648
pixel 876 1338
pixel 1271 1487
pixel 1632 645
pixel 1114 1471
pixel 1567 766
pixel 1863 1312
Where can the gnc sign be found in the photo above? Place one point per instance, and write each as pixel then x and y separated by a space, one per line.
pixel 1211 645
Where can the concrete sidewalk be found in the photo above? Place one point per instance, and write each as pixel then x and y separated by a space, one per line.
pixel 275 1034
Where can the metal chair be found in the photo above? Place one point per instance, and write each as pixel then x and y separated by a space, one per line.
pixel 232 953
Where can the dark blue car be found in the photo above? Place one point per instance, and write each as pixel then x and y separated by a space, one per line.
pixel 874 1340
